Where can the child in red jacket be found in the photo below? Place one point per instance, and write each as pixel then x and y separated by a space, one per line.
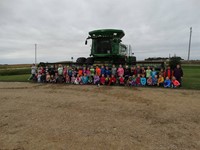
pixel 112 80
pixel 121 80
pixel 102 79
pixel 175 83
pixel 138 80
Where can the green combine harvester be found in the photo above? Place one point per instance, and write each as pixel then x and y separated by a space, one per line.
pixel 107 48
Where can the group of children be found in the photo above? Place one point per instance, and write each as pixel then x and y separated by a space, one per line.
pixel 103 75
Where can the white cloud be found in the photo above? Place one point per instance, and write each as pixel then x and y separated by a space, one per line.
pixel 152 27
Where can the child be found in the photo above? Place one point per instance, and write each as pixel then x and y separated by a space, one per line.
pixel 52 80
pixel 154 80
pixel 39 77
pixel 112 80
pixel 133 71
pixel 161 72
pixel 133 80
pixel 84 70
pixel 120 71
pixel 121 80
pixel 84 79
pixel 175 83
pixel 73 79
pixel 88 71
pixel 143 71
pixel 107 79
pixel 168 72
pixel 126 73
pixel 60 70
pixel 138 80
pixel 48 77
pixel 69 71
pixel 167 82
pixel 160 80
pixel 102 80
pixel 138 70
pixel 96 79
pixel 103 70
pixel 80 72
pixel 148 72
pixel 98 71
pixel 65 71
pixel 129 81
pixel 77 79
pixel 143 80
pixel 33 72
pixel 149 81
pixel 67 78
pixel 43 78
pixel 153 73
pixel 114 70
pixel 107 71
pixel 90 79
pixel 92 71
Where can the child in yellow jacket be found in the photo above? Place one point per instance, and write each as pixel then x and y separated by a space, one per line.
pixel 160 80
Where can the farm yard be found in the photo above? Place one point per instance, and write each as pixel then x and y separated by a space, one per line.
pixel 58 116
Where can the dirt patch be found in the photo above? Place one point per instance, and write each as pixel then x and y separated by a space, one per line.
pixel 50 116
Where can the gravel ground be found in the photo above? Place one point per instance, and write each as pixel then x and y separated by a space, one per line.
pixel 60 117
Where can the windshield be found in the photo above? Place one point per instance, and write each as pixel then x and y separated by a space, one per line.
pixel 103 46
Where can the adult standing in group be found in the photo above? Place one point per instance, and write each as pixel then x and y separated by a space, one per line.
pixel 33 72
pixel 178 73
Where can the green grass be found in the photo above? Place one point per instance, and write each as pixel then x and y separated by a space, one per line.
pixel 15 66
pixel 18 71
pixel 191 78
pixel 15 78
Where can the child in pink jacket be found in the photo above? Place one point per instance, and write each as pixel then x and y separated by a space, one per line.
pixel 120 71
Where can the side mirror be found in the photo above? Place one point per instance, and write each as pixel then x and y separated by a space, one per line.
pixel 85 42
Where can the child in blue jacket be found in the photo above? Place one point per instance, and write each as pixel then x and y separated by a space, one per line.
pixel 167 82
pixel 85 79
pixel 143 80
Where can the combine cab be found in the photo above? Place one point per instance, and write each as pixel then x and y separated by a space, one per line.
pixel 107 48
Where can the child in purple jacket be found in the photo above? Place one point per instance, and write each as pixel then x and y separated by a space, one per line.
pixel 96 79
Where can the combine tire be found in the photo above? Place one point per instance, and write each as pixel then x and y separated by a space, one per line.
pixel 133 60
pixel 81 60
pixel 120 61
pixel 89 61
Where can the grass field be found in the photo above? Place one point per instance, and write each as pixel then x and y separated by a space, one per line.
pixel 191 79
pixel 15 78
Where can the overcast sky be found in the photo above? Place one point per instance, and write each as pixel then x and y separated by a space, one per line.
pixel 153 27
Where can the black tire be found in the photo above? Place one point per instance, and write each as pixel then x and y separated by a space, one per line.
pixel 81 60
pixel 120 61
pixel 89 60
pixel 133 60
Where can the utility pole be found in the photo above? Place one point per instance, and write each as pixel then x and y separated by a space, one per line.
pixel 189 43
pixel 35 54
